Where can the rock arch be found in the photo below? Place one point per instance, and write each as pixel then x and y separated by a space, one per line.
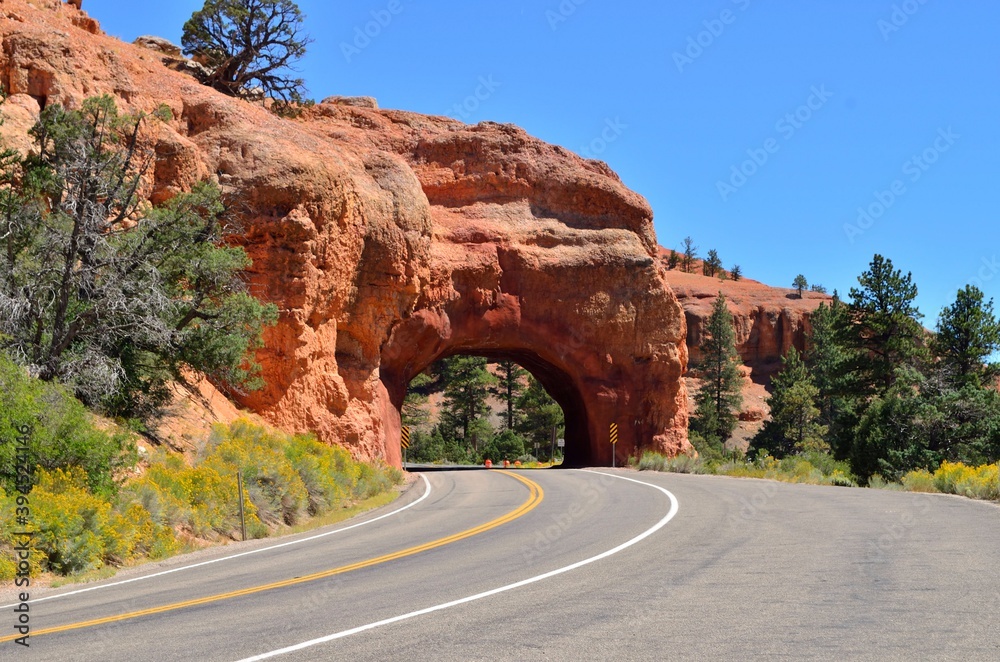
pixel 476 240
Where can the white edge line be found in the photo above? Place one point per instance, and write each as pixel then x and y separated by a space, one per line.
pixel 426 494
pixel 674 507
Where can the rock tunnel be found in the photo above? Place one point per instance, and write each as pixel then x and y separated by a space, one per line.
pixel 596 345
pixel 437 238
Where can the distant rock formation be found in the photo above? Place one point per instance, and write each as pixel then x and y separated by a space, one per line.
pixel 768 320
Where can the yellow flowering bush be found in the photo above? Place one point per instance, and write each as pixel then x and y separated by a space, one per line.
pixel 973 482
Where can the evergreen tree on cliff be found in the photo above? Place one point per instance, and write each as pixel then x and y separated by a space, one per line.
pixel 690 255
pixel 249 46
pixel 720 397
pixel 800 283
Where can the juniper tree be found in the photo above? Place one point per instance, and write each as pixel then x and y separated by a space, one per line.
pixel 673 260
pixel 249 46
pixel 102 291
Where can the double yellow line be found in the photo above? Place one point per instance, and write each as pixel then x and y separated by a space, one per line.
pixel 534 498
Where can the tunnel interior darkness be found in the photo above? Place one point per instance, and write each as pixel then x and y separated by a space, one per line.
pixel 557 383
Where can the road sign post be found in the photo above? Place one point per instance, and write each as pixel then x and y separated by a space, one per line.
pixel 243 518
pixel 404 440
pixel 613 437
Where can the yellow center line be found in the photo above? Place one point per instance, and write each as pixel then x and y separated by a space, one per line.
pixel 534 498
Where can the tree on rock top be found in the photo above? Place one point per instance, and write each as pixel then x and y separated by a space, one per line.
pixel 800 283
pixel 249 45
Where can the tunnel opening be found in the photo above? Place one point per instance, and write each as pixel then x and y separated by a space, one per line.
pixel 569 444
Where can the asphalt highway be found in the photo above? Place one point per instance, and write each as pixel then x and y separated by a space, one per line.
pixel 566 565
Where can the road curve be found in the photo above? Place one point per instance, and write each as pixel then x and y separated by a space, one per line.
pixel 746 569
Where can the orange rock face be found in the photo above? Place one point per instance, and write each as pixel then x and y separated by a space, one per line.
pixel 390 239
pixel 768 320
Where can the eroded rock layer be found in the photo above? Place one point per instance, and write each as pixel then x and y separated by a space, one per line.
pixel 389 239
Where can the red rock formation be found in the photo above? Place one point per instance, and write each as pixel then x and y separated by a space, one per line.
pixel 389 239
pixel 768 320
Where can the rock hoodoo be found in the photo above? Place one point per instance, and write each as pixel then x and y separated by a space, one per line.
pixel 390 239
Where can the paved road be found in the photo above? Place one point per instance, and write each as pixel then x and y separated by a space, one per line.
pixel 743 570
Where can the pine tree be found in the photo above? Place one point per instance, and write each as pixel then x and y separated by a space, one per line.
pixel 541 414
pixel 967 335
pixel 882 327
pixel 673 260
pixel 467 383
pixel 736 273
pixel 690 255
pixel 827 362
pixel 414 412
pixel 800 283
pixel 794 425
pixel 509 387
pixel 720 397
pixel 712 263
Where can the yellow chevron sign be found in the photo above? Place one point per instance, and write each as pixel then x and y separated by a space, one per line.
pixel 614 433
pixel 405 438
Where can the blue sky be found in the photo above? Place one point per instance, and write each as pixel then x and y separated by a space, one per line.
pixel 758 128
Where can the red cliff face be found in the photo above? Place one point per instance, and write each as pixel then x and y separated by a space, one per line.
pixel 768 320
pixel 389 239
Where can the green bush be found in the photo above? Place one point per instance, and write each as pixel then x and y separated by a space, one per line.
pixel 62 435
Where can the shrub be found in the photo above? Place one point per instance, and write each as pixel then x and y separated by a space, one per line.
pixel 62 432
pixel 919 480
pixel 79 531
pixel 973 482
pixel 651 461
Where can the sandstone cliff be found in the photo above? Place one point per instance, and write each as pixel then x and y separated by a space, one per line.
pixel 768 320
pixel 389 239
